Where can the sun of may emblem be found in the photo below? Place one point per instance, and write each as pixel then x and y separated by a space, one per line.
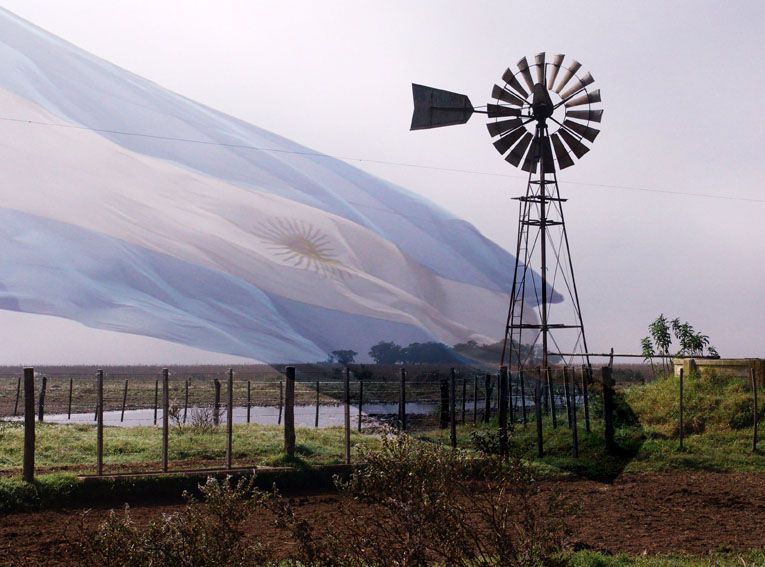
pixel 301 245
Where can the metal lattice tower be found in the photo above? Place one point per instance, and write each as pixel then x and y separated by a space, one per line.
pixel 540 123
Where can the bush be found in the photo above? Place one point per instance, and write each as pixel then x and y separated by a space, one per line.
pixel 739 412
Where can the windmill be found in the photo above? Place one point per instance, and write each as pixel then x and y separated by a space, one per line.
pixel 541 120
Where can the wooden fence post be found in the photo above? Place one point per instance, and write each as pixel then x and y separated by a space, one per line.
pixel 682 408
pixel 289 413
pixel 249 400
pixel 100 422
pixel 281 401
pixel 216 402
pixel 475 399
pixel 316 420
pixel 509 396
pixel 361 400
pixel 69 405
pixel 522 378
pixel 402 401
pixel 186 398
pixel 464 397
pixel 567 394
pixel 156 399
pixel 572 414
pixel 487 394
pixel 444 385
pixel 230 420
pixel 608 409
pixel 453 407
pixel 41 405
pixel 538 413
pixel 503 383
pixel 551 394
pixel 165 417
pixel 586 380
pixel 755 416
pixel 18 394
pixel 29 425
pixel 124 402
pixel 347 414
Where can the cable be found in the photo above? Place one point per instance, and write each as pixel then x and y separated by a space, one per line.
pixel 374 161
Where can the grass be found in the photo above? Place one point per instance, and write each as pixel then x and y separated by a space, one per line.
pixel 597 559
pixel 140 448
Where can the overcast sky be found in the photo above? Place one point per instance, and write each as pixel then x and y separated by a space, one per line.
pixel 683 96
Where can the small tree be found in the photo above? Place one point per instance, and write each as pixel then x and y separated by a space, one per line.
pixel 648 353
pixel 386 352
pixel 344 357
pixel 659 330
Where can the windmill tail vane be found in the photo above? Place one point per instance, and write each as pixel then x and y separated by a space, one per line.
pixel 542 118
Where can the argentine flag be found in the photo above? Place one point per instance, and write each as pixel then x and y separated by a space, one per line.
pixel 127 207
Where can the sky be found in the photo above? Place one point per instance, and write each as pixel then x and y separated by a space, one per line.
pixel 683 115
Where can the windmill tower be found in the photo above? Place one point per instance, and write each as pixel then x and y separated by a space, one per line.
pixel 541 120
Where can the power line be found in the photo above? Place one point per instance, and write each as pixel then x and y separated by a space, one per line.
pixel 374 161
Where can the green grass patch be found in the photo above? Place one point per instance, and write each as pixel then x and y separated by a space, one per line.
pixel 597 559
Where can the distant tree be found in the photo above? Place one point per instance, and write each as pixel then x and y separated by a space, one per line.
pixel 386 352
pixel 344 357
pixel 648 352
pixel 691 342
pixel 662 338
pixel 430 353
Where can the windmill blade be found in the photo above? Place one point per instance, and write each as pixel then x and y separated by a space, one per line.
pixel 504 95
pixel 512 81
pixel 567 74
pixel 584 98
pixel 495 111
pixel 548 163
pixel 564 160
pixel 580 84
pixel 506 142
pixel 539 60
pixel 554 68
pixel 589 115
pixel 532 158
pixel 576 146
pixel 501 126
pixel 586 132
pixel 516 155
pixel 523 66
pixel 434 108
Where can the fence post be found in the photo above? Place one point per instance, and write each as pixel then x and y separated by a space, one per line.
pixel 289 413
pixel 361 400
pixel 509 395
pixel 475 399
pixel 503 383
pixel 249 400
pixel 69 405
pixel 124 401
pixel 538 413
pixel 551 394
pixel 464 397
pixel 316 420
pixel 230 420
pixel 156 399
pixel 487 394
pixel 165 417
pixel 185 398
pixel 755 417
pixel 444 420
pixel 402 401
pixel 347 414
pixel 41 405
pixel 216 402
pixel 281 401
pixel 522 378
pixel 29 424
pixel 608 409
pixel 682 408
pixel 586 380
pixel 572 414
pixel 453 407
pixel 100 422
pixel 18 394
pixel 567 394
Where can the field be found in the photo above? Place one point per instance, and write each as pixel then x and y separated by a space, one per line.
pixel 648 497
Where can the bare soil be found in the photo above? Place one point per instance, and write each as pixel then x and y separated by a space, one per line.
pixel 678 513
